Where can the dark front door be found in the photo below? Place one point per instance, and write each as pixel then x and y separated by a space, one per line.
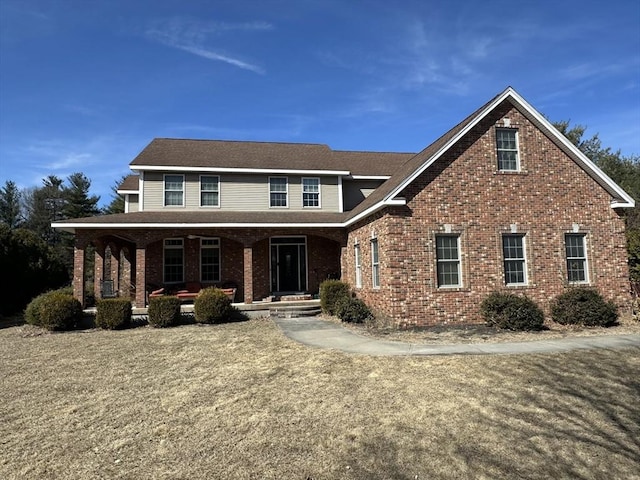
pixel 288 264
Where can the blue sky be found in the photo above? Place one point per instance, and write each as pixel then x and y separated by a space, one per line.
pixel 85 85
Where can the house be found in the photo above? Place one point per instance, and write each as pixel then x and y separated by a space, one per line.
pixel 502 201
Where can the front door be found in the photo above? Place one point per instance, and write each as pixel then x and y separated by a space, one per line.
pixel 288 264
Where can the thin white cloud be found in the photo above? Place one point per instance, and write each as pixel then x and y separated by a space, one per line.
pixel 191 36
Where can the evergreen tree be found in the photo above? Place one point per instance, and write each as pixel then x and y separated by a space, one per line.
pixel 117 200
pixel 77 201
pixel 10 205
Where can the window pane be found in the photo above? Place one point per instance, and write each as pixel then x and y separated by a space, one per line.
pixel 576 258
pixel 507 149
pixel 209 199
pixel 278 199
pixel 209 184
pixel 514 261
pixel 278 184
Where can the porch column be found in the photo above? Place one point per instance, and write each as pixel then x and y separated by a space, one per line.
pixel 78 271
pixel 248 274
pixel 98 269
pixel 125 273
pixel 141 276
pixel 115 267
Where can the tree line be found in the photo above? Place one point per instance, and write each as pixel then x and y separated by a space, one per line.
pixel 34 257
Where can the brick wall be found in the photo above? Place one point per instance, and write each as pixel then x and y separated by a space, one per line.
pixel 465 194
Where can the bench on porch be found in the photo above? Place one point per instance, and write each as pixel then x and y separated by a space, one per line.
pixel 190 292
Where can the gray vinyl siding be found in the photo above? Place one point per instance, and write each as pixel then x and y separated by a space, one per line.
pixel 133 202
pixel 355 191
pixel 240 192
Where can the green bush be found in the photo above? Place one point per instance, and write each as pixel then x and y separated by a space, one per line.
pixel 353 310
pixel 164 311
pixel 54 310
pixel 113 313
pixel 332 292
pixel 583 306
pixel 212 306
pixel 511 312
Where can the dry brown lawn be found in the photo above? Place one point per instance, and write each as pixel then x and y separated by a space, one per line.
pixel 241 401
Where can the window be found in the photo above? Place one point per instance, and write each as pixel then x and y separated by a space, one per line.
pixel 173 190
pixel 506 140
pixel 173 260
pixel 310 192
pixel 514 260
pixel 375 264
pixel 210 259
pixel 209 191
pixel 448 259
pixel 576 258
pixel 358 262
pixel 277 191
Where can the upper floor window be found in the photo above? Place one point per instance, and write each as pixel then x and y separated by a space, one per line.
pixel 515 263
pixel 278 190
pixel 310 192
pixel 173 267
pixel 209 191
pixel 375 264
pixel 507 142
pixel 358 264
pixel 576 258
pixel 448 260
pixel 174 190
pixel 210 259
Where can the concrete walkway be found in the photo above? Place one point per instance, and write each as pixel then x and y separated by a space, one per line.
pixel 323 334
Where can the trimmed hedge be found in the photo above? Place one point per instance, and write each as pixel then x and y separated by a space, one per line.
pixel 511 312
pixel 353 310
pixel 212 306
pixel 55 310
pixel 583 306
pixel 331 293
pixel 164 311
pixel 113 313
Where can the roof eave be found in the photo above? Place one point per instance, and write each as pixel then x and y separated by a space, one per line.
pixel 275 171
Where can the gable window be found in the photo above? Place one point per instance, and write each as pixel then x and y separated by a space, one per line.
pixel 448 260
pixel 515 271
pixel 358 263
pixel 174 190
pixel 507 142
pixel 278 189
pixel 210 259
pixel 375 264
pixel 310 192
pixel 576 258
pixel 209 191
pixel 173 260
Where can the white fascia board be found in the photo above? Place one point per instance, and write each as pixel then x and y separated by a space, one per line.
pixel 370 177
pixel 279 171
pixel 74 226
pixel 128 192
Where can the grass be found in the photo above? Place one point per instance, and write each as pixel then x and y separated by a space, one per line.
pixel 240 401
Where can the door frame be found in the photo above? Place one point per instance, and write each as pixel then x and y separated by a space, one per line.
pixel 273 269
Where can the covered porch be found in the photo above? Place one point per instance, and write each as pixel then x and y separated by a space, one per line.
pixel 261 264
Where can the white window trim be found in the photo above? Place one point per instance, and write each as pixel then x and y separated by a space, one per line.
pixel 525 267
pixel 210 191
pixel 375 266
pixel 458 261
pixel 586 280
pixel 319 192
pixel 517 139
pixel 218 247
pixel 286 192
pixel 172 247
pixel 358 264
pixel 164 190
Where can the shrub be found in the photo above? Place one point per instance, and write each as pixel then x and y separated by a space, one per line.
pixel 113 313
pixel 164 311
pixel 212 306
pixel 54 310
pixel 332 292
pixel 511 312
pixel 353 310
pixel 583 306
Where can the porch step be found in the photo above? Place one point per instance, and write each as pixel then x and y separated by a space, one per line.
pixel 292 311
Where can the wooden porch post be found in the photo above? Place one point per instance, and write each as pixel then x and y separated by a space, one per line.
pixel 248 274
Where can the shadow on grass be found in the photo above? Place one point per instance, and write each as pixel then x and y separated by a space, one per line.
pixel 564 416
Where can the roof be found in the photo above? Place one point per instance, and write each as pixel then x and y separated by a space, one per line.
pixel 130 184
pixel 401 168
pixel 224 155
